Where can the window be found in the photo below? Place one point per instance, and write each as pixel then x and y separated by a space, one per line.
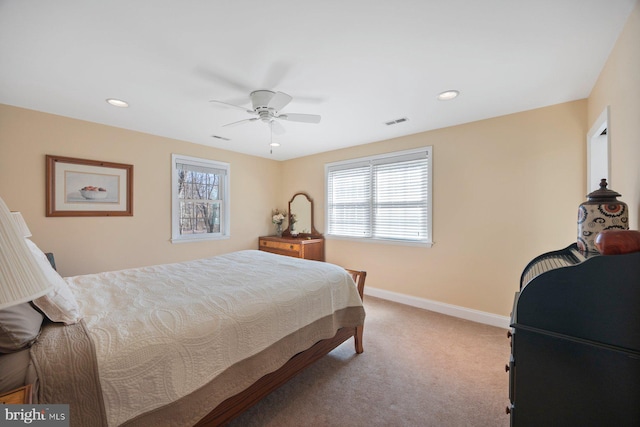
pixel 382 198
pixel 200 192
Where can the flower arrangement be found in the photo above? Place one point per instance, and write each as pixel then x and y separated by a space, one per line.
pixel 278 216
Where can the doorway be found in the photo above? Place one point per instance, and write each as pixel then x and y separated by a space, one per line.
pixel 598 152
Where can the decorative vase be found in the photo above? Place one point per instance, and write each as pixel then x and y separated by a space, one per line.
pixel 279 229
pixel 602 211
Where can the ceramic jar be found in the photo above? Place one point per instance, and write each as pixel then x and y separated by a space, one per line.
pixel 602 211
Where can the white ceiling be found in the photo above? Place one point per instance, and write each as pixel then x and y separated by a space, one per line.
pixel 357 63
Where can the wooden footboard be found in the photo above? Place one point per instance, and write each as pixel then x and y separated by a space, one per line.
pixel 237 404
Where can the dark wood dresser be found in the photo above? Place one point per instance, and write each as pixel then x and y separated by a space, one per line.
pixel 299 247
pixel 575 341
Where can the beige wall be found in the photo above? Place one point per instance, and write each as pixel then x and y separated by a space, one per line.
pixel 619 87
pixel 86 245
pixel 505 190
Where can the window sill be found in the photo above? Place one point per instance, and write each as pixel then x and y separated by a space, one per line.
pixel 198 239
pixel 381 241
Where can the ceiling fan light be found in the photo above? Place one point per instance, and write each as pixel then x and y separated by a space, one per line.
pixel 117 102
pixel 274 144
pixel 448 95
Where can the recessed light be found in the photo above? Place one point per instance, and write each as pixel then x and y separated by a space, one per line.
pixel 448 95
pixel 117 103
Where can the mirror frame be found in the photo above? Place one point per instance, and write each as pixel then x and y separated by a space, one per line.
pixel 314 233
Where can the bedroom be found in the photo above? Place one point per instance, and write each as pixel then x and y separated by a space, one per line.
pixel 519 164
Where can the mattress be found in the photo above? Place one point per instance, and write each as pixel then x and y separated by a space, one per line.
pixel 168 343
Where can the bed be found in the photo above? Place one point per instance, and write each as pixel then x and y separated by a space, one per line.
pixel 191 343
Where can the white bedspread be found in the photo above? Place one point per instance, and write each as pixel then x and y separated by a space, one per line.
pixel 163 331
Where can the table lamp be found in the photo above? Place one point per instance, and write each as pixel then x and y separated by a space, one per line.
pixel 21 279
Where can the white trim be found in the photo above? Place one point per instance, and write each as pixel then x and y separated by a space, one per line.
pixel 226 197
pixel 594 144
pixel 426 244
pixel 368 159
pixel 428 149
pixel 199 239
pixel 441 307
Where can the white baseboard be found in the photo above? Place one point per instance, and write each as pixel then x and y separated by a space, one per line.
pixel 441 307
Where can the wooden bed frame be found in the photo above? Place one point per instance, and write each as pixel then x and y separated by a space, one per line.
pixel 242 401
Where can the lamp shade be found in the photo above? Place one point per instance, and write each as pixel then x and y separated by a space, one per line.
pixel 22 225
pixel 21 279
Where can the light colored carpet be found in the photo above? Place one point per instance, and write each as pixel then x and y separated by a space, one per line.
pixel 419 368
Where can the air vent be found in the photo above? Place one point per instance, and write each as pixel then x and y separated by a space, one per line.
pixel 220 137
pixel 396 121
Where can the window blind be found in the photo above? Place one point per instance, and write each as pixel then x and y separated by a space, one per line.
pixel 384 197
pixel 195 167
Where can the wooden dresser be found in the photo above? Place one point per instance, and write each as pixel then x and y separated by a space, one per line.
pixel 19 396
pixel 299 247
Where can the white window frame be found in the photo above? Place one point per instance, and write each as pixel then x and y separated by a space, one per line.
pixel 428 241
pixel 225 229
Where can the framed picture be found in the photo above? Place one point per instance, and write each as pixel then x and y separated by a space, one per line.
pixel 79 187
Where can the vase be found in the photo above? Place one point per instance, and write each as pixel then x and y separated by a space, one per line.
pixel 602 211
pixel 279 229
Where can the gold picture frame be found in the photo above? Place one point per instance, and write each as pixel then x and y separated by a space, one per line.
pixel 80 187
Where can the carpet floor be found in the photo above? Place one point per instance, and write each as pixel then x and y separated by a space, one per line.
pixel 419 368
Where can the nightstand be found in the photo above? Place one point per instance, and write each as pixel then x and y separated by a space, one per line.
pixel 19 396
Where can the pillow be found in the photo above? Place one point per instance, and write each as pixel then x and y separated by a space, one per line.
pixel 19 327
pixel 59 305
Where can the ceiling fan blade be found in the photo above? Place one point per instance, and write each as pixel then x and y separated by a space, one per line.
pixel 239 101
pixel 239 122
pixel 309 99
pixel 218 77
pixel 304 118
pixel 276 74
pixel 226 104
pixel 276 127
pixel 279 101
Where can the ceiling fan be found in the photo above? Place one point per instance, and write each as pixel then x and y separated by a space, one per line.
pixel 267 106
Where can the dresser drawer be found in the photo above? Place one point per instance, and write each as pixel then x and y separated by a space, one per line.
pixel 305 247
pixel 280 246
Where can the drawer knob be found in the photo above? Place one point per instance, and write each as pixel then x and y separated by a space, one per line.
pixel 290 246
